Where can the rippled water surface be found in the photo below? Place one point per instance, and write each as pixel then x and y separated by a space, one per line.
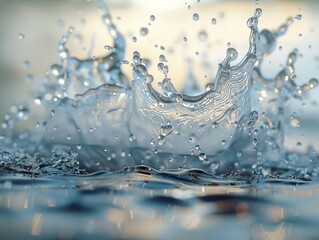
pixel 141 203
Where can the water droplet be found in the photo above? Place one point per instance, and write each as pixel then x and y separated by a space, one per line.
pixel 202 36
pixel 29 78
pixel 298 17
pixel 295 122
pixel 214 21
pixel 185 39
pixel 162 58
pixel 144 31
pixel 134 39
pixel 195 17
pixel 166 130
pixel 202 156
pixel 214 165
pixel 280 48
pixel 161 140
pixel 38 101
pixel 239 154
pixel 21 36
pixel 109 48
pixel 26 64
pixel 55 70
pixel 215 125
pixel 223 142
pixel 152 18
pixel 124 61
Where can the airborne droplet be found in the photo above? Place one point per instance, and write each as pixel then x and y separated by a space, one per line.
pixel 195 17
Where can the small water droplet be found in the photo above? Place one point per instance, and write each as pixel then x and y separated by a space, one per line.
pixel 124 61
pixel 161 140
pixel 134 39
pixel 29 78
pixel 144 31
pixel 109 48
pixel 166 130
pixel 195 17
pixel 214 165
pixel 298 17
pixel 26 64
pixel 202 36
pixel 152 18
pixel 21 36
pixel 295 122
pixel 162 58
pixel 214 21
pixel 202 156
pixel 215 125
pixel 239 154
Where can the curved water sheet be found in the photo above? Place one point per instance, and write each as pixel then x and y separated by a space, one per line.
pixel 98 120
pixel 141 117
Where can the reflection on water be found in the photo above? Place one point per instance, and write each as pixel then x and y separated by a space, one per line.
pixel 145 204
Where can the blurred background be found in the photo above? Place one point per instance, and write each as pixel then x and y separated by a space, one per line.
pixel 30 31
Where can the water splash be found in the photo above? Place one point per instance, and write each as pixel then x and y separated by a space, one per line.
pixel 236 125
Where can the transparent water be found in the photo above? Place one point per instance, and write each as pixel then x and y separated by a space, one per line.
pixel 120 159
